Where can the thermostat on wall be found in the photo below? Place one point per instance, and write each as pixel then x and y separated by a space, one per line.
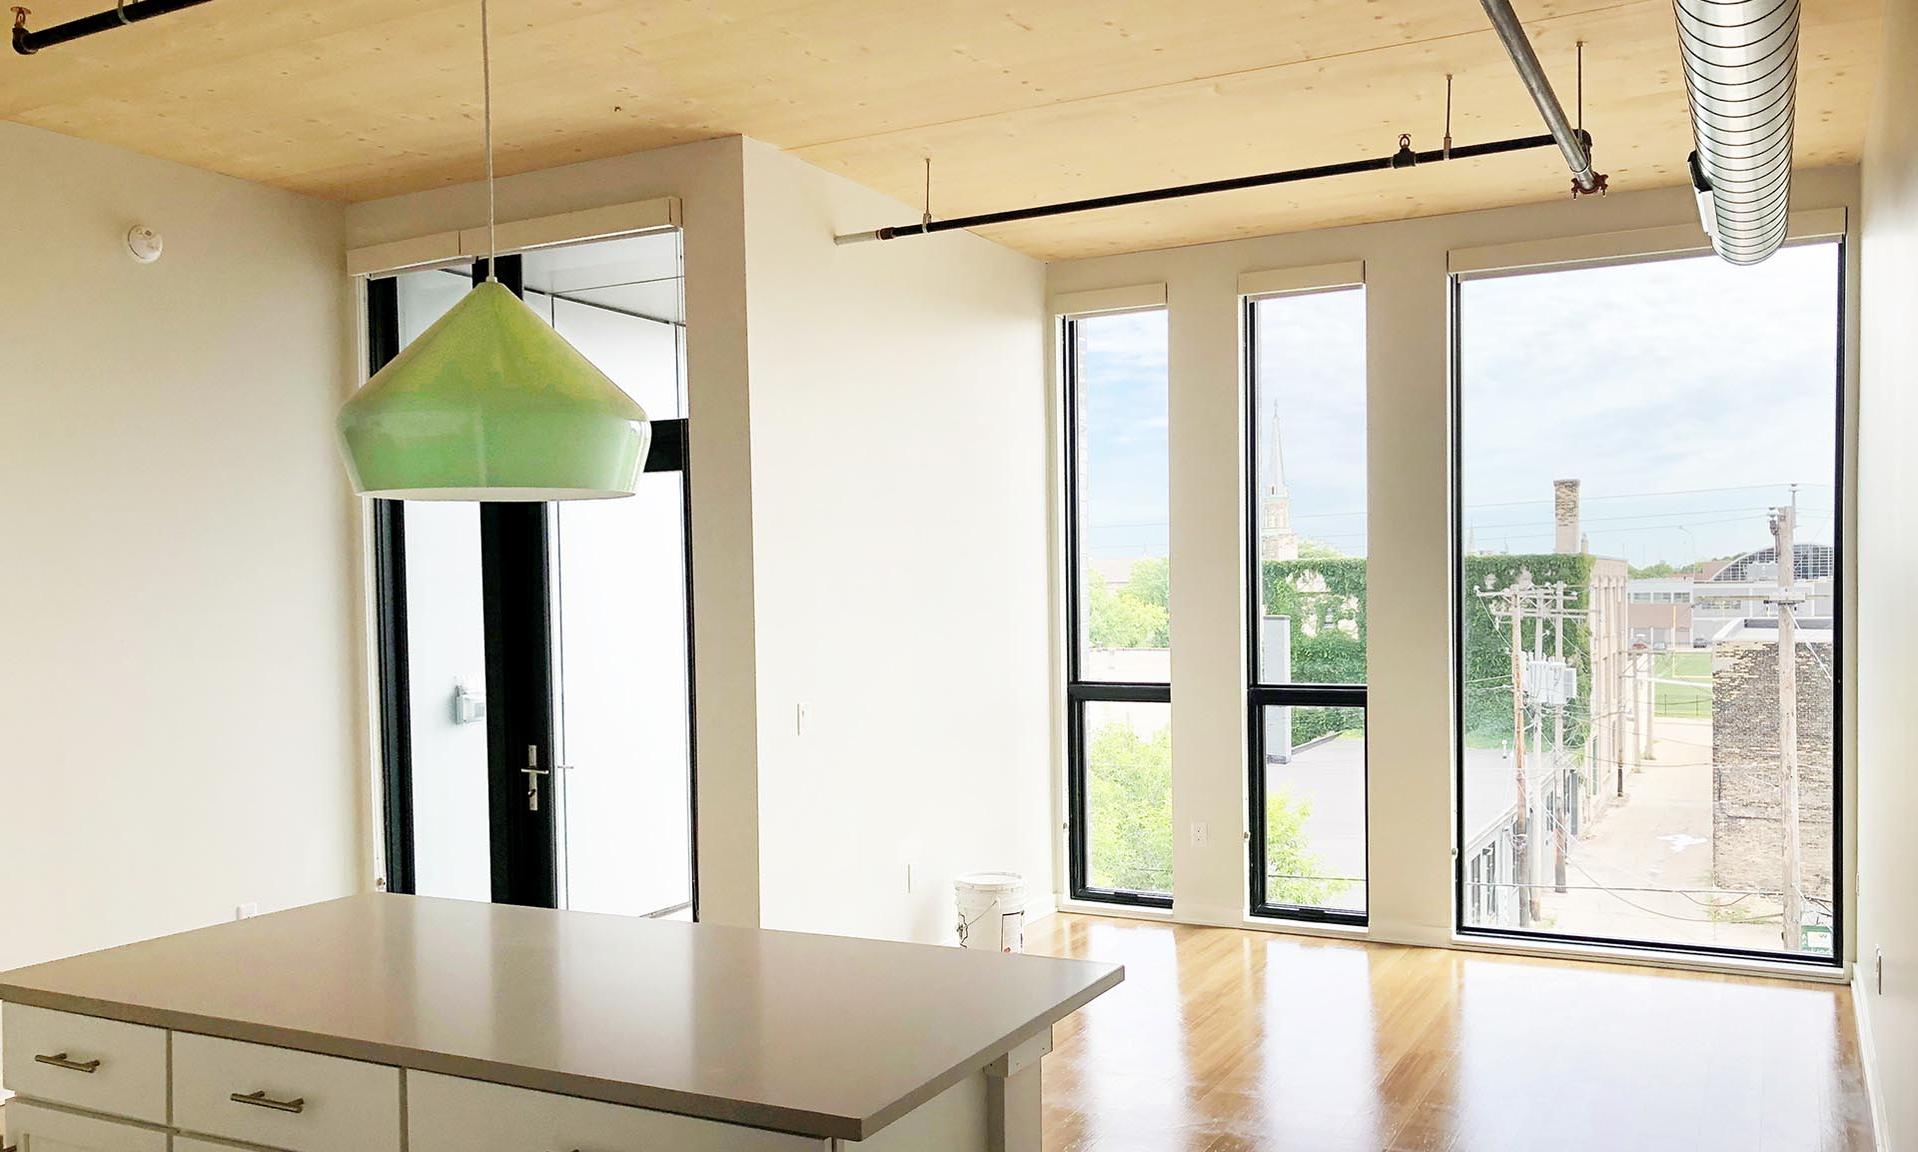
pixel 469 707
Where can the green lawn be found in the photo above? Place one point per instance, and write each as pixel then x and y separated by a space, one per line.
pixel 1689 664
pixel 1693 699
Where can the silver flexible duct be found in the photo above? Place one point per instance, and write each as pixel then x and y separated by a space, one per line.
pixel 1741 77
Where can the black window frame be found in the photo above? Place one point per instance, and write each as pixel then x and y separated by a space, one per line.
pixel 1841 891
pixel 516 600
pixel 1261 695
pixel 1082 693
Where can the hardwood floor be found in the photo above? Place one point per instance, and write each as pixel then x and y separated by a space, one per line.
pixel 1223 1040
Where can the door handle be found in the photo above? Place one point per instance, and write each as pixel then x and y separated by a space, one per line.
pixel 533 772
pixel 59 1060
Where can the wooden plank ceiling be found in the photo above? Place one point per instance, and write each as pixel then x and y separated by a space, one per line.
pixel 1019 102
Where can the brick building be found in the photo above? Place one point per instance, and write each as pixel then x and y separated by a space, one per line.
pixel 1746 834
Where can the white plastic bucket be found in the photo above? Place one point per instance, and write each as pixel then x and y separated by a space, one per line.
pixel 992 911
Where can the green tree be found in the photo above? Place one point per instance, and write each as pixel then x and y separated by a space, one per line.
pixel 1651 570
pixel 1136 616
pixel 1293 871
pixel 1151 582
pixel 1121 621
pixel 1129 800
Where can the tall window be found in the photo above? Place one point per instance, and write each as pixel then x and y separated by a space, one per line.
pixel 1119 679
pixel 1306 627
pixel 1650 603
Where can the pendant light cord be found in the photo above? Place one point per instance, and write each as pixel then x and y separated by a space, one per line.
pixel 486 82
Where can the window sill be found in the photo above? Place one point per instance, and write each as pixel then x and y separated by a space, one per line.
pixel 1116 911
pixel 1810 972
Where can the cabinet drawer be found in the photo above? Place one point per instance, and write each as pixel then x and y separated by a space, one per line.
pixel 300 1101
pixel 32 1128
pixel 99 1065
pixel 448 1114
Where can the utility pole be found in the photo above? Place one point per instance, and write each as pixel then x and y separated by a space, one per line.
pixel 1563 813
pixel 1650 751
pixel 1510 603
pixel 1783 527
pixel 1616 621
pixel 1513 605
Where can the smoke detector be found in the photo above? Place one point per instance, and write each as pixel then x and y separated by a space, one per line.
pixel 144 243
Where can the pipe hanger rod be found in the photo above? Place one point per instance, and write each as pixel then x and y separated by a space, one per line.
pixel 26 42
pixel 1403 158
pixel 1573 142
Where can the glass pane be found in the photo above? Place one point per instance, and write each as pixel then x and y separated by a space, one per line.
pixel 1128 781
pixel 446 652
pixel 446 677
pixel 622 707
pixel 1625 768
pixel 1309 442
pixel 1314 807
pixel 426 296
pixel 621 303
pixel 1125 626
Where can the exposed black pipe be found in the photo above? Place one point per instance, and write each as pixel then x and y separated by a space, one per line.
pixel 26 43
pixel 1405 157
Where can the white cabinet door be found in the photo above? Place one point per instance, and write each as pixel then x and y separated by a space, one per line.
pixel 299 1101
pixel 32 1128
pixel 99 1065
pixel 448 1114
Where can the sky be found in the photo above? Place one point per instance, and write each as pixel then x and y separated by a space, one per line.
pixel 1685 395
pixel 1123 423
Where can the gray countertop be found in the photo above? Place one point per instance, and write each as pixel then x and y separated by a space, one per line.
pixel 817 1035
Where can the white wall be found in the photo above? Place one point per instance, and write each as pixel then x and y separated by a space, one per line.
pixel 1888 557
pixel 1409 720
pixel 900 554
pixel 180 693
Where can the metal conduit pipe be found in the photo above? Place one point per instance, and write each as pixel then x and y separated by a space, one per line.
pixel 1741 78
pixel 1573 142
pixel 26 41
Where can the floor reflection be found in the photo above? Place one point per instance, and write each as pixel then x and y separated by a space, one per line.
pixel 1222 1040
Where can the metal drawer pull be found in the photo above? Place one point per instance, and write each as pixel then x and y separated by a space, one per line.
pixel 261 1100
pixel 59 1060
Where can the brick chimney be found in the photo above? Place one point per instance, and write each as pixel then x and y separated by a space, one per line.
pixel 1565 517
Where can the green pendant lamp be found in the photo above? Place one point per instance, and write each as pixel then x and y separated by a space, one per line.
pixel 491 404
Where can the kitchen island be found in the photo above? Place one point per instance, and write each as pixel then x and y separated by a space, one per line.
pixel 381 1022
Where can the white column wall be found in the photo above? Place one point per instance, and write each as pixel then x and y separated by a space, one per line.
pixel 1410 721
pixel 1887 917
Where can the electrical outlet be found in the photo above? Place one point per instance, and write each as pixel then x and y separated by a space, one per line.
pixel 1201 835
pixel 246 911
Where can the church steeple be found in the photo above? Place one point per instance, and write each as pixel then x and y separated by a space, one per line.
pixel 1277 540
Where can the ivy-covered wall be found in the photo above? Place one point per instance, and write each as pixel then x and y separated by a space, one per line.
pixel 1325 598
pixel 1488 643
